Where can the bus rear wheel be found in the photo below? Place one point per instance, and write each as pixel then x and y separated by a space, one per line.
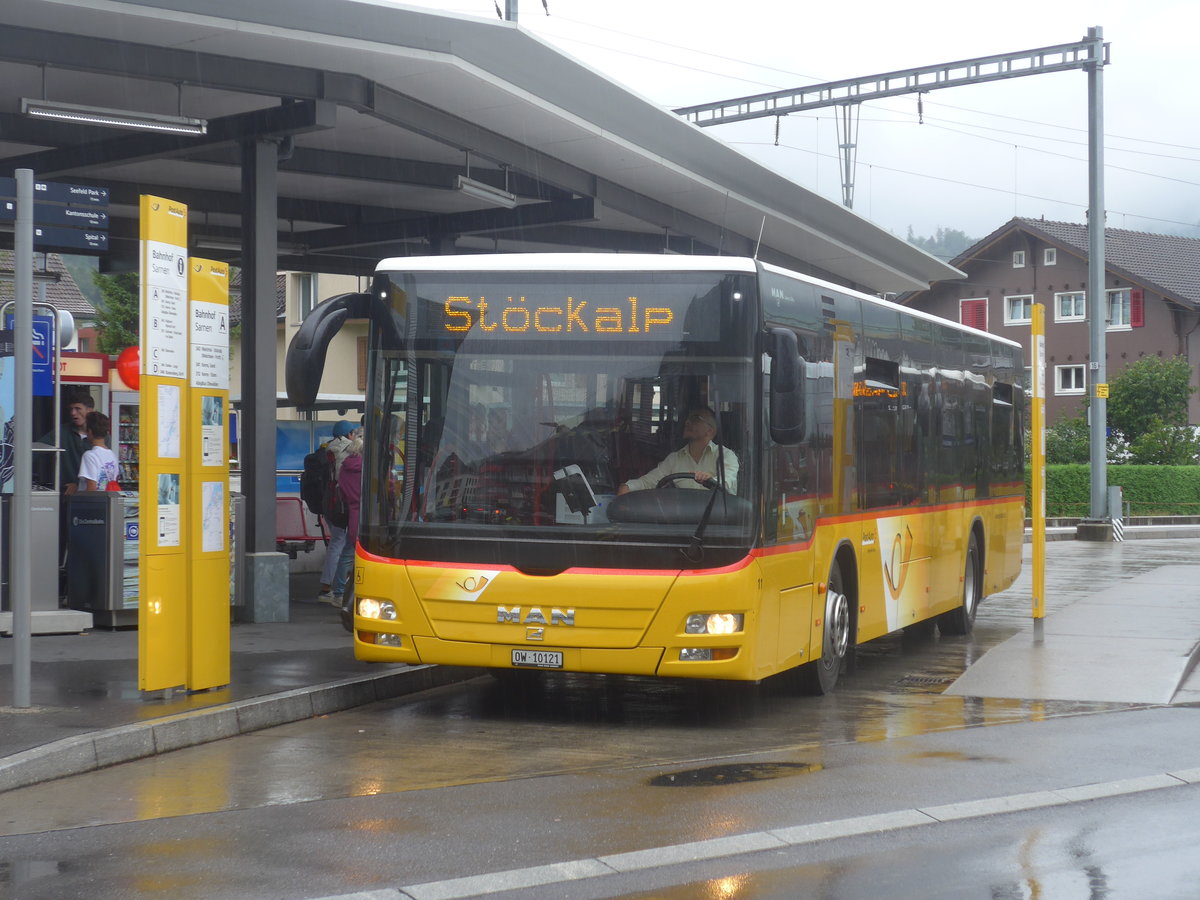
pixel 962 619
pixel 821 675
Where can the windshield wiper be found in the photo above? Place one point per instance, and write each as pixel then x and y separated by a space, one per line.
pixel 694 551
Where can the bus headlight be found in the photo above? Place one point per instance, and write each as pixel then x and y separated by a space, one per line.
pixel 370 608
pixel 714 623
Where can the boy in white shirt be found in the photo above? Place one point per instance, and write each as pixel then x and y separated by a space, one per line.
pixel 98 466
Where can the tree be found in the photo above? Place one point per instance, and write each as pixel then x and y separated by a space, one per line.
pixel 1068 441
pixel 947 243
pixel 1148 412
pixel 117 315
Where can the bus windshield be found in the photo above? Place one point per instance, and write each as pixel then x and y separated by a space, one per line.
pixel 518 404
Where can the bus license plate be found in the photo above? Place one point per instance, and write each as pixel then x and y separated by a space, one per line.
pixel 538 659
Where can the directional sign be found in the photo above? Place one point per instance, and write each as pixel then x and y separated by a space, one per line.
pixel 66 217
pixel 52 238
pixel 70 193
pixel 53 192
pixel 89 217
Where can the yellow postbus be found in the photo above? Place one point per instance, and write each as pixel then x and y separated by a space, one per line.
pixel 862 470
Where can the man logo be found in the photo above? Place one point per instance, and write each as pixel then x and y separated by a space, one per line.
pixel 535 616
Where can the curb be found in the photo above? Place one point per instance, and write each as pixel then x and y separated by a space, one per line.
pixel 98 749
pixel 769 840
pixel 1132 532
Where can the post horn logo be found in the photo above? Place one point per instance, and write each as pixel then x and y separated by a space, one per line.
pixel 895 569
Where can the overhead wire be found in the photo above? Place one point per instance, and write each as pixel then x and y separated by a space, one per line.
pixel 961 183
pixel 743 63
pixel 926 109
pixel 945 124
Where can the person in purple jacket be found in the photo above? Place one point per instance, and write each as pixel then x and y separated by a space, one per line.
pixel 349 486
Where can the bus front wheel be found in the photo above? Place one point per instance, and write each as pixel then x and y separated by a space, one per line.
pixel 819 676
pixel 962 619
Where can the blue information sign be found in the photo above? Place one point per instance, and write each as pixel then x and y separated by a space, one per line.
pixel 67 217
pixel 50 237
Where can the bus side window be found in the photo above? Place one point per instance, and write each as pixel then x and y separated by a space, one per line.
pixel 791 496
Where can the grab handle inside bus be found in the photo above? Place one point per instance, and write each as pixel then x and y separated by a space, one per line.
pixel 787 386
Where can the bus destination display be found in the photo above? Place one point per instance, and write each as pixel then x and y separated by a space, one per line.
pixel 661 313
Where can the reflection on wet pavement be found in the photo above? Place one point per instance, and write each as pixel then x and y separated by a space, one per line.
pixel 552 723
pixel 1102 852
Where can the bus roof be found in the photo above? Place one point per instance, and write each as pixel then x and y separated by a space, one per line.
pixel 908 310
pixel 567 262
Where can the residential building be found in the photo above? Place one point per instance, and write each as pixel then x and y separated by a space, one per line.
pixel 1151 300
pixel 61 292
pixel 296 293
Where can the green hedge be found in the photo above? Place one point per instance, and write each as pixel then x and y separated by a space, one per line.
pixel 1148 490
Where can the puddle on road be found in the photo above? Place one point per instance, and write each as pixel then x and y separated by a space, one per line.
pixel 955 756
pixel 740 773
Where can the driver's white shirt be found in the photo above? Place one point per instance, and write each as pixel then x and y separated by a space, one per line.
pixel 681 461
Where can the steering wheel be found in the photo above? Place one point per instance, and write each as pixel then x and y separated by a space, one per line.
pixel 669 481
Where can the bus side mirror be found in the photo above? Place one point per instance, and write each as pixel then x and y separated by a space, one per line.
pixel 787 387
pixel 304 363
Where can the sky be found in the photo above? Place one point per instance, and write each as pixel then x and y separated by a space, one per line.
pixel 972 157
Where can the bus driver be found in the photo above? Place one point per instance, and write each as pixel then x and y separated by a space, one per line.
pixel 699 457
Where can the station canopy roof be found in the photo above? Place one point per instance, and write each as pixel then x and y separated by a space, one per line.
pixel 379 112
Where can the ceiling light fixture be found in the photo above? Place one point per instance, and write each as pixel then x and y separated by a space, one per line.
pixel 485 192
pixel 113 118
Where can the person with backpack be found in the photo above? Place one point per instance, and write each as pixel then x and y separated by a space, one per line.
pixel 349 488
pixel 343 433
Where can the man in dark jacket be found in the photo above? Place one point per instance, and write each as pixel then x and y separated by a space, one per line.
pixel 72 438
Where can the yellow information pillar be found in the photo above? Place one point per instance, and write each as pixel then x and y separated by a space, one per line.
pixel 207 475
pixel 163 514
pixel 1038 464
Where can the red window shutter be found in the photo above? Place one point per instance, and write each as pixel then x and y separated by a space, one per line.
pixel 1137 314
pixel 974 313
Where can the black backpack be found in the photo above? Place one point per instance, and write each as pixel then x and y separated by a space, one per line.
pixel 318 488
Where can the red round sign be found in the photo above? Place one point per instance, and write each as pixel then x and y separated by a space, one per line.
pixel 129 366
